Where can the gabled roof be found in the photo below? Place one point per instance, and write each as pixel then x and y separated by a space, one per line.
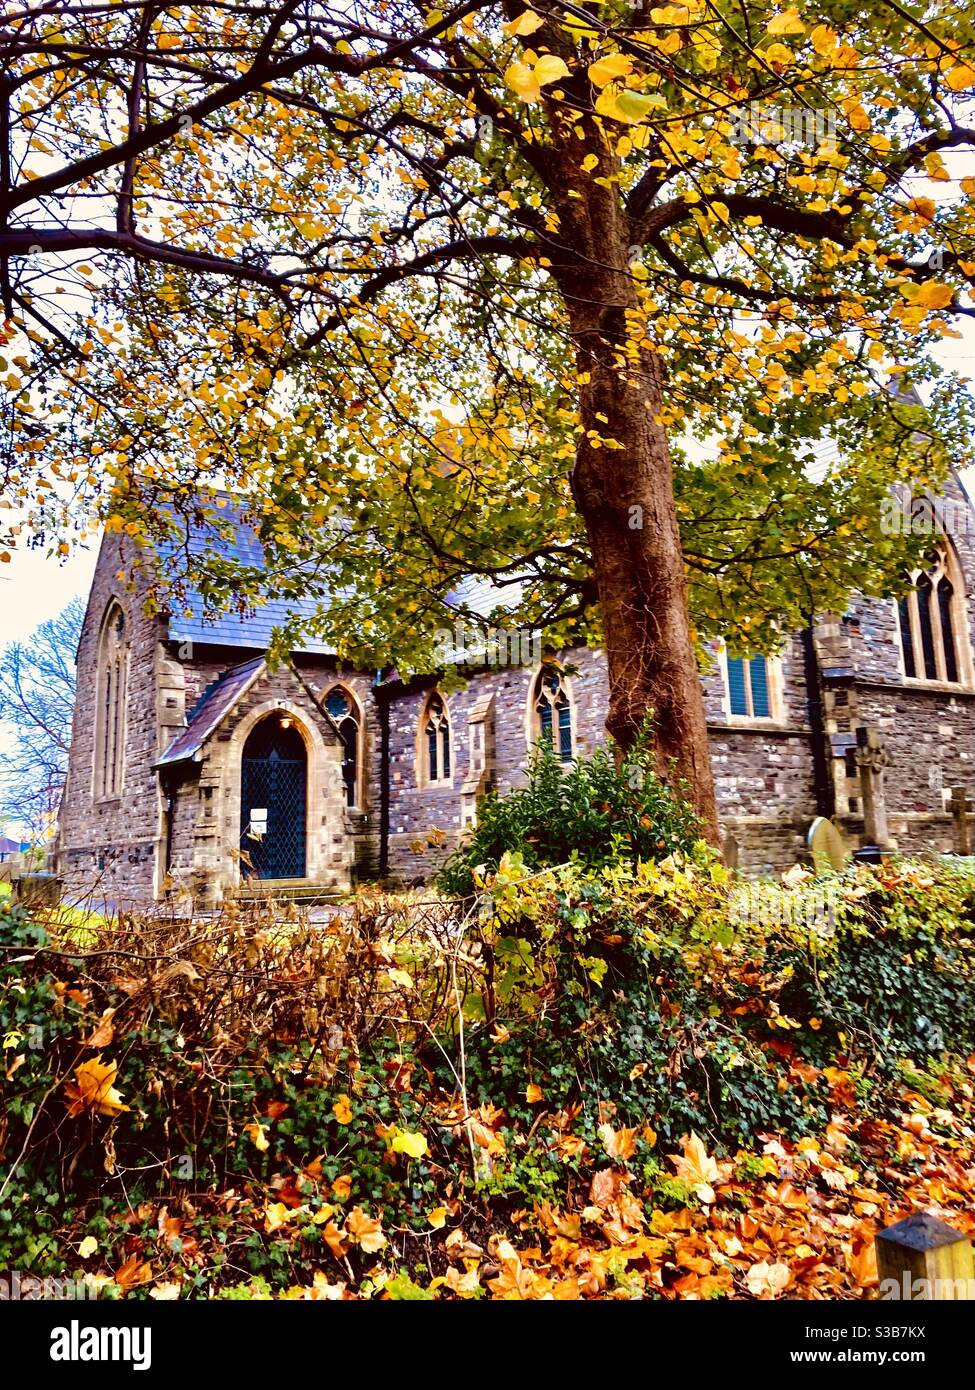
pixel 210 710
pixel 238 545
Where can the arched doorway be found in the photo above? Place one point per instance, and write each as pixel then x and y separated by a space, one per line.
pixel 273 799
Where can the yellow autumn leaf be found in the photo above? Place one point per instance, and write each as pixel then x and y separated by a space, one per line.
pixel 549 69
pixel 671 14
pixel 960 78
pixel 787 23
pixel 414 1145
pixel 258 1136
pixel 922 207
pixel 527 79
pixel 525 24
pixel 696 1167
pixel 534 1093
pixel 520 77
pixel 930 295
pixel 778 54
pixel 824 39
pixel 437 1218
pixel 342 1109
pixel 276 1214
pixel 94 1089
pixel 87 1247
pixel 365 1231
pixel 607 69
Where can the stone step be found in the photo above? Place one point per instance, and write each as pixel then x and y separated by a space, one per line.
pixel 289 890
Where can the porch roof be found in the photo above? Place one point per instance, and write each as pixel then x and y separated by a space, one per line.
pixel 210 710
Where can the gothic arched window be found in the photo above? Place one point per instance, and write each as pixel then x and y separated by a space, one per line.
pixel 434 751
pixel 113 662
pixel 342 706
pixel 933 623
pixel 552 713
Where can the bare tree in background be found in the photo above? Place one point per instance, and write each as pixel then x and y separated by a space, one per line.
pixel 37 689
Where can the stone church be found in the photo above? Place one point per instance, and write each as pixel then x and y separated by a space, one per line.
pixel 196 768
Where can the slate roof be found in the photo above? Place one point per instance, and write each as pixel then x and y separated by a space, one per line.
pixel 241 546
pixel 209 711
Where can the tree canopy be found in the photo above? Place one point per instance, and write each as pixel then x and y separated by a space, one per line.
pixel 37 688
pixel 494 290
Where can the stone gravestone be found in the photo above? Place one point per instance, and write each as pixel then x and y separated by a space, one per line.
pixel 960 806
pixel 827 846
pixel 871 758
pixel 729 852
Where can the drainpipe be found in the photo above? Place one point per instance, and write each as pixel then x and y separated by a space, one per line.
pixel 169 790
pixel 382 706
pixel 822 781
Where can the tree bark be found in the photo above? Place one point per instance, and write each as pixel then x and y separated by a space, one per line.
pixel 622 483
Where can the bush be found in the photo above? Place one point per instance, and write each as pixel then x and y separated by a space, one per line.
pixel 279 1089
pixel 591 811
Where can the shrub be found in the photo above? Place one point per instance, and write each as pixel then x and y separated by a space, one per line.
pixel 592 812
pixel 288 1085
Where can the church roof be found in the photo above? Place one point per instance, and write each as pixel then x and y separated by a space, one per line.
pixel 234 540
pixel 209 711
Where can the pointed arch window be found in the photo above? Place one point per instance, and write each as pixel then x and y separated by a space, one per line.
pixel 933 623
pixel 113 662
pixel 552 710
pixel 434 751
pixel 344 709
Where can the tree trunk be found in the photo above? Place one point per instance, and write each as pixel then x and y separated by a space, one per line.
pixel 625 495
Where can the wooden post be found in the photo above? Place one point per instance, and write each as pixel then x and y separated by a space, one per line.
pixel 923 1259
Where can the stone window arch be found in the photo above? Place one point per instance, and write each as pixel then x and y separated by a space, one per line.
pixel 434 751
pixel 551 714
pixel 111 686
pixel 346 713
pixel 933 622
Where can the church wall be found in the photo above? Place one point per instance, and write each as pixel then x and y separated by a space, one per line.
pixel 763 773
pixel 930 740
pixel 107 847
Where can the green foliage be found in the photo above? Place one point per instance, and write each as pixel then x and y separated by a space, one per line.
pixel 592 812
pixel 605 1001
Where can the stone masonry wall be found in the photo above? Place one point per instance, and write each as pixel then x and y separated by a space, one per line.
pixel 763 773
pixel 108 848
pixel 210 803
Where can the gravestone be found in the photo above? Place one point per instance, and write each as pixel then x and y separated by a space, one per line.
pixel 729 852
pixel 960 806
pixel 827 846
pixel 871 759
